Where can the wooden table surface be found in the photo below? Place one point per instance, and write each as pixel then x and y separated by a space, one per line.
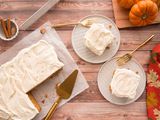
pixel 89 105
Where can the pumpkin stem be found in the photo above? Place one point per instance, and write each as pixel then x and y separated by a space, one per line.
pixel 144 16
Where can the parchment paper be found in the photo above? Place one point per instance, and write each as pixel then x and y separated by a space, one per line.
pixel 45 93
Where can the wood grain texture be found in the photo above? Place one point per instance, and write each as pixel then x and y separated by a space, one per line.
pixel 102 111
pixel 89 105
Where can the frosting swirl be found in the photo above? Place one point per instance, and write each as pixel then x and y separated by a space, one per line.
pixel 124 83
pixel 97 38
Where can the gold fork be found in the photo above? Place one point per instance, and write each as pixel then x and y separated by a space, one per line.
pixel 126 57
pixel 85 23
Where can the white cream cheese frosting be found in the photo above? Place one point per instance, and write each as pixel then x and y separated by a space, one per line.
pixel 28 69
pixel 98 38
pixel 15 104
pixel 33 65
pixel 124 83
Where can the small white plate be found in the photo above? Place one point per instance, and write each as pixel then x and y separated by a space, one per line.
pixel 105 76
pixel 83 52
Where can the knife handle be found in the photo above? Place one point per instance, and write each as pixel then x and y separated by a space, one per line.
pixel 64 24
pixel 53 109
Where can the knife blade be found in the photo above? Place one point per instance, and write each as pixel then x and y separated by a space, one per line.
pixel 64 91
pixel 48 5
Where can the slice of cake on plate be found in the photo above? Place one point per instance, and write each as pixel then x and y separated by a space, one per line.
pixel 124 83
pixel 31 67
pixel 98 38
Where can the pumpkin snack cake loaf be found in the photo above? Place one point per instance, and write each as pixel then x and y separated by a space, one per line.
pixel 31 67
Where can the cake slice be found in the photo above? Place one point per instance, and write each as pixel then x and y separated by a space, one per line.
pixel 33 65
pixel 98 38
pixel 124 83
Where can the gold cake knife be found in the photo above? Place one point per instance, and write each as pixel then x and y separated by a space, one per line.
pixel 64 91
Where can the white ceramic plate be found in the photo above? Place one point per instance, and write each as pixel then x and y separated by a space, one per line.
pixel 83 52
pixel 2 36
pixel 105 76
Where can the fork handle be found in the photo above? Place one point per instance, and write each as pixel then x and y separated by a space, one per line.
pixel 145 42
pixel 64 24
pixel 53 109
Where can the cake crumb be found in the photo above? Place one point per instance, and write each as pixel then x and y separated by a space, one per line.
pixel 110 26
pixel 113 72
pixel 42 31
pixel 110 89
pixel 107 47
pixel 43 101
pixel 46 96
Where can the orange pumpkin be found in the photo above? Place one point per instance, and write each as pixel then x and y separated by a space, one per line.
pixel 143 13
pixel 136 1
pixel 126 3
pixel 156 1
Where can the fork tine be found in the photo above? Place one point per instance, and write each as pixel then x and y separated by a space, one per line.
pixel 124 59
